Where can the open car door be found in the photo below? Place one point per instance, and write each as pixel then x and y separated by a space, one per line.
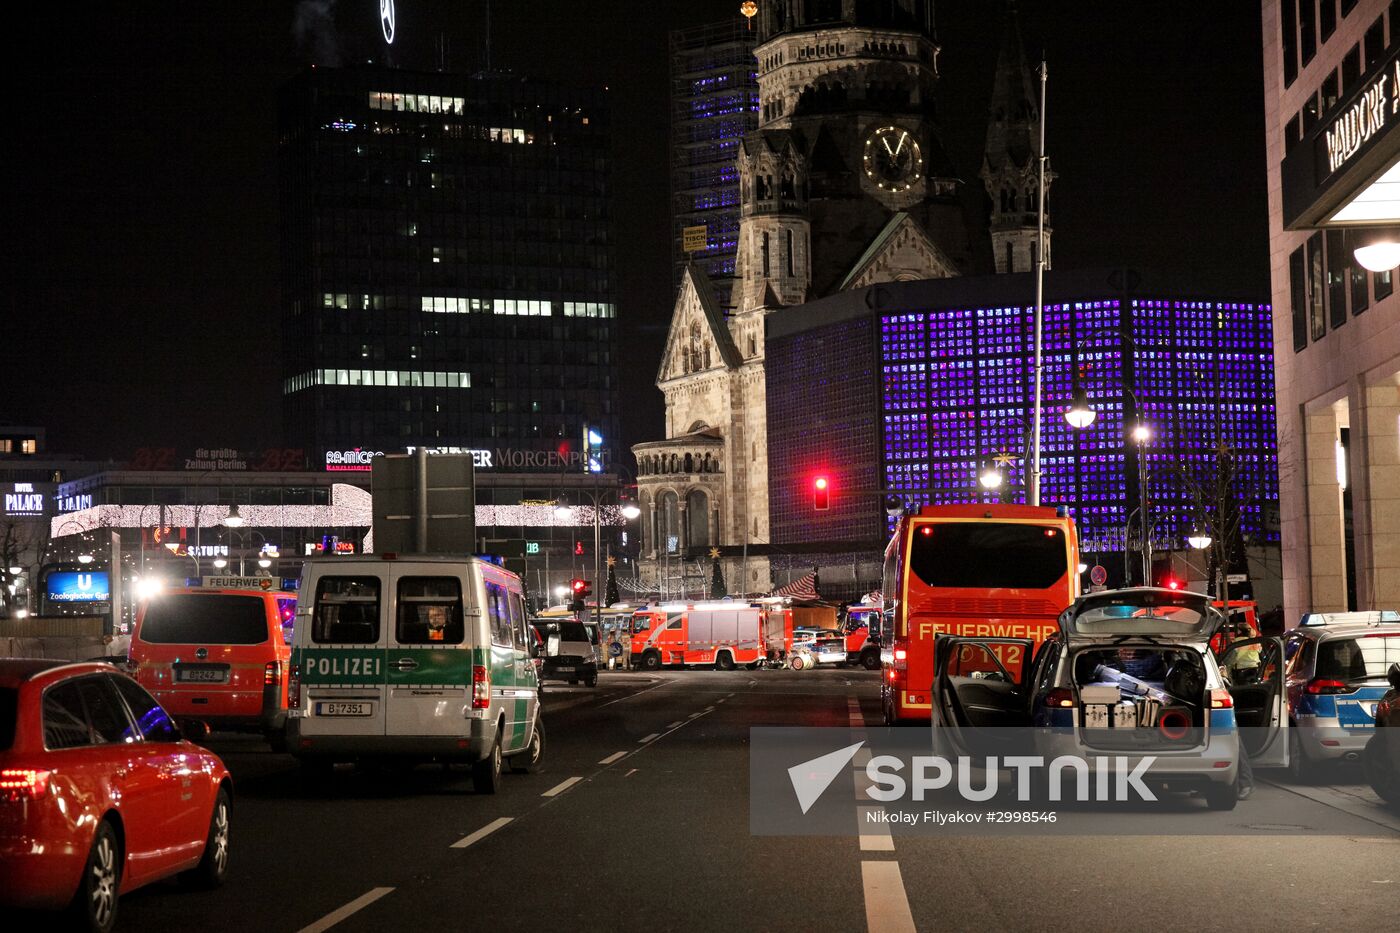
pixel 979 694
pixel 1253 673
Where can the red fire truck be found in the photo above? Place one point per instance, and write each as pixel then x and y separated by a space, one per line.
pixel 862 622
pixel 719 634
pixel 979 570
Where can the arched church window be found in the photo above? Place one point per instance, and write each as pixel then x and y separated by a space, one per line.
pixel 697 516
pixel 765 256
pixel 1030 199
pixel 669 514
pixel 689 464
pixel 789 253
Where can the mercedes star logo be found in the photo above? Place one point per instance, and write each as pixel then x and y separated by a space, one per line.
pixel 386 19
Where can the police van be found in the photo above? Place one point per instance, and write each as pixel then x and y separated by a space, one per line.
pixel 416 659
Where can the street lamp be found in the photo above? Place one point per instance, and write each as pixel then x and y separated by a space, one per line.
pixel 990 478
pixel 1080 415
pixel 233 519
pixel 1199 540
pixel 564 511
pixel 220 563
pixel 84 558
pixel 264 563
pixel 1141 434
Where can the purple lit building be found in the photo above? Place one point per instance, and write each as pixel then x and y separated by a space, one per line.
pixel 914 387
pixel 714 102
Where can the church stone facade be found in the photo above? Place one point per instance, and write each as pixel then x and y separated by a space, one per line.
pixel 845 184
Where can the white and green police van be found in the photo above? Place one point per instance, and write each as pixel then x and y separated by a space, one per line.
pixel 416 659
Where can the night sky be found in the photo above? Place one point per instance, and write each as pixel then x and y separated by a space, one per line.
pixel 141 260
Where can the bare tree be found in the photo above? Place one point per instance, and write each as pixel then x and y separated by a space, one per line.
pixel 22 545
pixel 1220 490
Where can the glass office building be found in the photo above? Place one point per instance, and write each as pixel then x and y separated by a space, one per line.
pixel 448 265
pixel 714 102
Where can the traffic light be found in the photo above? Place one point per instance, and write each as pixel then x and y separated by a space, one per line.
pixel 581 590
pixel 821 494
pixel 578 548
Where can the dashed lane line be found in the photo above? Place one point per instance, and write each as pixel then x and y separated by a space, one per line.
pixel 886 903
pixel 615 756
pixel 340 913
pixel 481 833
pixel 633 696
pixel 874 836
pixel 559 788
pixel 647 738
pixel 672 725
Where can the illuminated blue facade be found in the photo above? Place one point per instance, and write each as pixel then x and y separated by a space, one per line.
pixel 949 386
pixel 714 102
pixel 956 393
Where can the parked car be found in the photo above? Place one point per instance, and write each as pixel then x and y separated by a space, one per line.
pixel 219 656
pixel 828 647
pixel 99 792
pixel 1382 755
pixel 570 650
pixel 1129 672
pixel 1336 674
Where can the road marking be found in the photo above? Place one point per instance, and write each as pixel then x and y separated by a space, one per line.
pixel 672 725
pixel 339 914
pixel 630 773
pixel 709 709
pixel 645 739
pixel 615 756
pixel 874 837
pixel 693 715
pixel 721 700
pixel 633 696
pixel 558 789
pixel 481 833
pixel 886 904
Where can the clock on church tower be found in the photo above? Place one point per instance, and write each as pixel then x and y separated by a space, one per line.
pixel 893 159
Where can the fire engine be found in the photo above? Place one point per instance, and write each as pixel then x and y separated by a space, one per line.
pixel 722 634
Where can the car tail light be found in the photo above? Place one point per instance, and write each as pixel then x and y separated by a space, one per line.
pixel 1326 686
pixel 1060 698
pixel 23 782
pixel 1221 699
pixel 294 686
pixel 272 673
pixel 481 688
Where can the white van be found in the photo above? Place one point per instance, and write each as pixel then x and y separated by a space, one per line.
pixel 413 658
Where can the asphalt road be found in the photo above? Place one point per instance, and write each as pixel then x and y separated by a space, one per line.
pixel 640 822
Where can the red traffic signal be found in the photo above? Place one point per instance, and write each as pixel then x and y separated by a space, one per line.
pixel 1172 583
pixel 821 494
pixel 578 586
pixel 578 548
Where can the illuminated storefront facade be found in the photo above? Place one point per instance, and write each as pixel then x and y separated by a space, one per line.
pixel 1332 117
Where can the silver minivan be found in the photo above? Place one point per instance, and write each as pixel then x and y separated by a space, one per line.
pixel 415 659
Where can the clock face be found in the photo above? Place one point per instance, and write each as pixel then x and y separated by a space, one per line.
pixel 893 160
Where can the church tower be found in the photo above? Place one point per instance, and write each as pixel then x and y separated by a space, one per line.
pixel 1009 169
pixel 845 183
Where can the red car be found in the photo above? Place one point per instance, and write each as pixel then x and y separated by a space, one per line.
pixel 99 793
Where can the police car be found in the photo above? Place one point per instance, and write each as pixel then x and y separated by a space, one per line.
pixel 1335 676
